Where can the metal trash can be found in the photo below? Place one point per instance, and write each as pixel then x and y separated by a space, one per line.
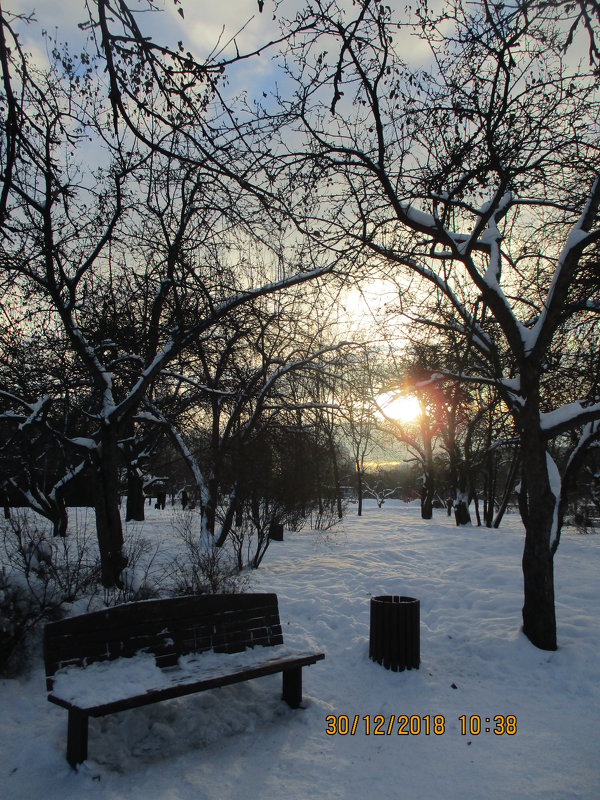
pixel 276 532
pixel 394 637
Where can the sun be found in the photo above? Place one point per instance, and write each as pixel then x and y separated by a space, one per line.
pixel 400 407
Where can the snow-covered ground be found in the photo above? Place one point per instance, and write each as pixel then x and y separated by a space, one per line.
pixel 243 742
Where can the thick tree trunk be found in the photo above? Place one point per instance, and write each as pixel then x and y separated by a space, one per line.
pixel 108 519
pixel 537 505
pixel 135 497
pixel 428 489
pixel 539 620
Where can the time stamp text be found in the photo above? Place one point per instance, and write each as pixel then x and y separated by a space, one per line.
pixel 414 725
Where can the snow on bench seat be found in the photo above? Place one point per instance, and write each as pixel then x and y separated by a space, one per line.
pixel 98 685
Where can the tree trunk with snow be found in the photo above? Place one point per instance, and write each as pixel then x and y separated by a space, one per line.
pixel 428 488
pixel 460 493
pixel 461 509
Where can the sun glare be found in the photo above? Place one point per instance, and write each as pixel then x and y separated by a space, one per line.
pixel 403 408
pixel 365 305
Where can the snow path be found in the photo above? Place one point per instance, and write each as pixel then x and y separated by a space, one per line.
pixel 242 742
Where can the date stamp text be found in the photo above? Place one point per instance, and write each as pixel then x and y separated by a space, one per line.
pixel 414 725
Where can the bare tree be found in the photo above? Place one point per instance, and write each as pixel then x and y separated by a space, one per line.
pixel 357 410
pixel 481 176
pixel 150 219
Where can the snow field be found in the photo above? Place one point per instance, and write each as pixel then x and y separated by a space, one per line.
pixel 242 742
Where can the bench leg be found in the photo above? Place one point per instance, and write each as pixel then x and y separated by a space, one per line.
pixel 77 737
pixel 292 686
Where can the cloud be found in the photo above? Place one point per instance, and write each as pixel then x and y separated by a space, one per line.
pixel 206 28
pixel 203 24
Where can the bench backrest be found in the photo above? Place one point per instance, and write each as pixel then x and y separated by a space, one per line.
pixel 226 623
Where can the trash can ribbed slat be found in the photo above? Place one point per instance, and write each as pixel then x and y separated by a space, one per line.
pixel 394 638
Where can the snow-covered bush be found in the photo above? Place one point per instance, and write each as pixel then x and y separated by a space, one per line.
pixel 54 570
pixel 39 573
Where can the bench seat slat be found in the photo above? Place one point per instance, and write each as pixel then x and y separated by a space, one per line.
pixel 195 676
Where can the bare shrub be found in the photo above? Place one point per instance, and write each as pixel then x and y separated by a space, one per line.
pixel 250 537
pixel 327 517
pixel 140 579
pixel 202 568
pixel 242 541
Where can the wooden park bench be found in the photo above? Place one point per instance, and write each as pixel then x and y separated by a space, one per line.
pixel 140 653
